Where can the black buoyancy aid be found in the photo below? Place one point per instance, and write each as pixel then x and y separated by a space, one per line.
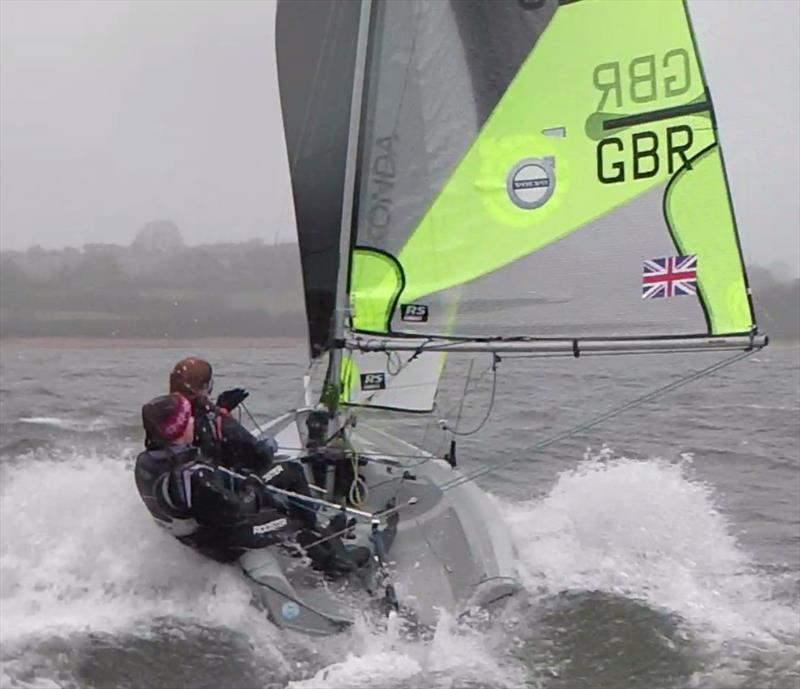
pixel 152 471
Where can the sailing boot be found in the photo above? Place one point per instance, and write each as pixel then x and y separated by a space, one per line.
pixel 327 551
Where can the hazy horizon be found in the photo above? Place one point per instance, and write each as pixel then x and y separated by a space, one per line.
pixel 116 114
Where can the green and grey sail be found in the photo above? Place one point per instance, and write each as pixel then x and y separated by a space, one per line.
pixel 519 164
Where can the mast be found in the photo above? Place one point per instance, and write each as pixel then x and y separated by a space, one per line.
pixel 342 303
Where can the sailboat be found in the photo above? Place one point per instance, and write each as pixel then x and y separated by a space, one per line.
pixel 514 177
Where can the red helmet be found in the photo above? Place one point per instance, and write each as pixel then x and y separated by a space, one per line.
pixel 191 377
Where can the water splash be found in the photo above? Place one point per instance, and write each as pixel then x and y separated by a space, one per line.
pixel 79 554
pixel 455 656
pixel 647 531
pixel 79 551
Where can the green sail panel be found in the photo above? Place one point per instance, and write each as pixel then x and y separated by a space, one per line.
pixel 697 198
pixel 600 156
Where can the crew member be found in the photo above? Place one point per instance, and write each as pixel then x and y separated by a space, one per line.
pixel 215 509
pixel 212 509
pixel 221 437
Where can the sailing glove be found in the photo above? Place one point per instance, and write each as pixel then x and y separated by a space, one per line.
pixel 230 399
pixel 268 445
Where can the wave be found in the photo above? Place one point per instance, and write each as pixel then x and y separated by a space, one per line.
pixel 647 531
pixel 92 425
pixel 79 554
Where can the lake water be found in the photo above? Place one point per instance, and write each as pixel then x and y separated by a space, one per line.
pixel 659 550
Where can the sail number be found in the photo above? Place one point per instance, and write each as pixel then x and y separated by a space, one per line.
pixel 642 80
pixel 643 156
pixel 647 78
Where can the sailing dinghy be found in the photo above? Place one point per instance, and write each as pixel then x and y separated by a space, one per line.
pixel 514 177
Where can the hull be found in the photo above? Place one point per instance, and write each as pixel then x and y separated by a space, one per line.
pixel 451 551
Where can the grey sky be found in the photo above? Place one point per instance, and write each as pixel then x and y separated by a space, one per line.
pixel 115 113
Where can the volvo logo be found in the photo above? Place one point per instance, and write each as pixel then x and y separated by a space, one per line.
pixel 531 182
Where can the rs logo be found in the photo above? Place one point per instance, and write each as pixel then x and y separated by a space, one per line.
pixel 373 381
pixel 417 313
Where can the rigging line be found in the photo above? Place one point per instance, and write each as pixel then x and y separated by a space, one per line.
pixel 495 362
pixel 401 365
pixel 252 418
pixel 398 363
pixel 697 375
pixel 367 456
pixel 464 393
pixel 575 430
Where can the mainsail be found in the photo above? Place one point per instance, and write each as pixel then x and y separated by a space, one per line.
pixel 532 175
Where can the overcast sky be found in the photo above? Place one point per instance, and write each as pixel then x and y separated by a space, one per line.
pixel 115 113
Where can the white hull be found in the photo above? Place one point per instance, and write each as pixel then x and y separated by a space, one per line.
pixel 451 551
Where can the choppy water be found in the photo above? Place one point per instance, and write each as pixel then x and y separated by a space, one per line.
pixel 660 550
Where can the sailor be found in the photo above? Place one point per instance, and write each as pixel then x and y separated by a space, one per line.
pixel 220 437
pixel 216 510
pixel 206 506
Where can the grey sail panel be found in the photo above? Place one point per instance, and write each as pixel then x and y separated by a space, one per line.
pixel 316 47
pixel 431 85
pixel 496 38
pixel 589 284
pixel 436 71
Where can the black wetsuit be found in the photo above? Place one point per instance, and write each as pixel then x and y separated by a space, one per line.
pixel 223 440
pixel 208 507
pixel 222 513
pixel 235 447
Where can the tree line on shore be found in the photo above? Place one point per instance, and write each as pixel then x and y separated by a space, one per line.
pixel 244 290
pixel 248 290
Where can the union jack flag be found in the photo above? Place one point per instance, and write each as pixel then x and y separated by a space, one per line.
pixel 672 276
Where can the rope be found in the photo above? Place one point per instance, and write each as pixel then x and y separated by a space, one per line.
pixel 252 418
pixel 575 430
pixel 454 431
pixel 359 490
pixel 465 392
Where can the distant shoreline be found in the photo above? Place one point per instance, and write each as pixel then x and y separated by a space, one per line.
pixel 152 343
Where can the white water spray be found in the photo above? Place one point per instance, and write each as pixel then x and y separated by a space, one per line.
pixel 643 530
